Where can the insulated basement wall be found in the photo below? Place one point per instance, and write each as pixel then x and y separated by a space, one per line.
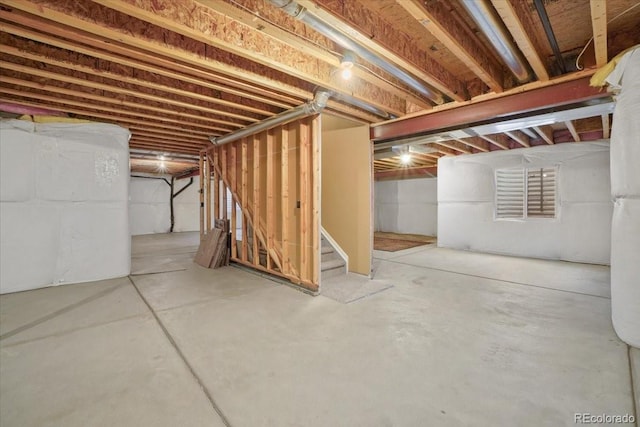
pixel 407 206
pixel 581 232
pixel 625 190
pixel 64 192
pixel 149 211
pixel 186 207
pixel 346 193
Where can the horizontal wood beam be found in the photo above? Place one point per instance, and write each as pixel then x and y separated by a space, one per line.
pixel 517 17
pixel 498 140
pixel 186 133
pixel 77 21
pixel 440 22
pixel 454 145
pixel 475 142
pixel 84 44
pixel 160 147
pixel 572 128
pixel 208 26
pixel 373 32
pixel 78 98
pixel 264 18
pixel 180 84
pixel 67 106
pixel 406 173
pixel 546 133
pixel 519 137
pixel 128 91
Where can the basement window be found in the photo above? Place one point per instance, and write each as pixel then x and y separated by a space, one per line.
pixel 525 193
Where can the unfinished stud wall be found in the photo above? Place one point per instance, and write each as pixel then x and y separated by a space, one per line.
pixel 407 206
pixel 64 204
pixel 582 230
pixel 274 179
pixel 347 193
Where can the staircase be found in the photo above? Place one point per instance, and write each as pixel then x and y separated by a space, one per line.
pixel 332 263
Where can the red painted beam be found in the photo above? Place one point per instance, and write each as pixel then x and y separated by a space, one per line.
pixel 565 93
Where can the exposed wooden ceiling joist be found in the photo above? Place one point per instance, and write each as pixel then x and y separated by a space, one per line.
pixel 519 137
pixel 193 20
pixel 498 140
pixel 85 44
pixel 78 18
pixel 475 142
pixel 377 35
pixel 546 133
pixel 456 146
pixel 572 129
pixel 441 23
pixel 78 98
pixel 117 116
pixel 599 24
pixel 266 19
pixel 518 19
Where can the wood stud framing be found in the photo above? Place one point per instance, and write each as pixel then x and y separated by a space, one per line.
pixel 259 171
pixel 445 28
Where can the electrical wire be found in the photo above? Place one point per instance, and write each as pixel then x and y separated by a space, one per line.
pixel 578 66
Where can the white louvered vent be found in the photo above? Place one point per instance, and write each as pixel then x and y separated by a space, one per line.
pixel 509 193
pixel 526 193
pixel 541 193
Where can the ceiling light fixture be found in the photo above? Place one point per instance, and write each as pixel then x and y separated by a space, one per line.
pixel 405 158
pixel 346 64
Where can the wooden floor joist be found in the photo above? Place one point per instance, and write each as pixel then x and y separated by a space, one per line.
pixel 105 36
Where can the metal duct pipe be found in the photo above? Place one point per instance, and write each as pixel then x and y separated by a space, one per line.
pixel 363 105
pixel 314 106
pixel 488 21
pixel 303 14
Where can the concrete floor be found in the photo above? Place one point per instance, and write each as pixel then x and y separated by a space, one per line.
pixel 460 339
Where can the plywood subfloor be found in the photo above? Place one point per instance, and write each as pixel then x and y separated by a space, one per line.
pixel 392 242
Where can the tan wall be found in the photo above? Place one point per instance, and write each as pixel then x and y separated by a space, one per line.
pixel 346 193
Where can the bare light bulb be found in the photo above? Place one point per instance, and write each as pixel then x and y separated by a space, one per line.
pixel 346 73
pixel 405 158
